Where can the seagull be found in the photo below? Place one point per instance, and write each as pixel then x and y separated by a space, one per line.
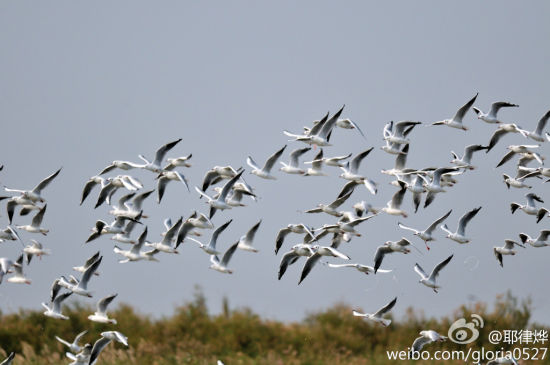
pixel 165 177
pixel 507 249
pixel 100 315
pixel 530 208
pixel 5 266
pixel 8 234
pixel 518 181
pixel 456 121
pixel 166 244
pixel 537 133
pixel 435 185
pixel 516 149
pixel 179 161
pixel 293 166
pixel 115 336
pixel 426 337
pixel 400 162
pixel 351 171
pixel 466 160
pixel 361 268
pixel 220 202
pixel 491 116
pixel 211 247
pixel 134 208
pixel 429 281
pixel 81 358
pixel 34 227
pixel 393 207
pixel 99 345
pixel 540 241
pixel 117 226
pixel 123 165
pixel 27 206
pixel 426 235
pixel 34 249
pixel 348 226
pixel 55 310
pixel 390 247
pixel 90 184
pixel 18 276
pixel 135 253
pixel 81 287
pixel 398 136
pixel 501 131
pixel 74 346
pixel 377 317
pixel 155 166
pixel 87 264
pixel 221 266
pixel 265 172
pixel 320 133
pixel 112 184
pixel 124 237
pixel 458 236
pixel 200 221
pixel 347 123
pixel 313 259
pixel 34 195
pixel 336 161
pixel 298 250
pixel 216 174
pixel 316 165
pixel 245 242
pixel 332 207
pixel 393 147
pixel 299 228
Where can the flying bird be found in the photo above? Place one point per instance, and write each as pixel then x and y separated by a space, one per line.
pixel 430 280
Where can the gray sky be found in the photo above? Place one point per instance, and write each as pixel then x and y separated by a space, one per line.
pixel 83 84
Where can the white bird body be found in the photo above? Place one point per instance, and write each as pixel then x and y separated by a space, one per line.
pixel 265 171
pixel 430 280
pixel 100 315
pixel 459 235
pixel 55 310
pixel 73 346
pixel 491 116
pixel 427 234
pixel 540 241
pixel 377 317
pixel 507 249
pixel 456 121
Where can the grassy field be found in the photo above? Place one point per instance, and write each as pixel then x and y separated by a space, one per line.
pixel 192 336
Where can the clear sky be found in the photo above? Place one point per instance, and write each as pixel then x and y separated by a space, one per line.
pixel 85 83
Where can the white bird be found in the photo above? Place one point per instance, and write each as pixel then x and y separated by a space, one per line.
pixel 26 206
pixel 73 346
pixel 100 315
pixel 297 251
pixel 361 268
pixel 459 235
pixel 519 180
pixel 393 147
pixel 377 317
pixel 87 264
pixel 400 162
pixel 179 161
pixel 8 360
pixel 507 249
pixel 456 121
pixel 112 184
pixel 165 177
pixel 245 242
pixel 35 249
pixel 200 221
pixel 220 202
pixel 331 208
pixel 81 358
pixel 211 247
pixel 319 251
pixel 116 336
pixel 393 207
pixel 430 280
pixel 156 164
pixel 537 134
pixel 5 266
pixel 351 171
pixel 531 208
pixel 221 266
pixel 135 253
pixel 55 310
pixel 503 360
pixel 491 116
pixel 165 245
pixel 293 166
pixel 390 247
pixel 336 161
pixel 123 165
pixel 435 186
pixel 99 345
pixel 501 131
pixel 466 161
pixel 316 165
pixel 397 134
pixel 34 195
pixel 18 276
pixel 299 228
pixel 426 337
pixel 9 234
pixel 347 123
pixel 320 133
pixel 427 234
pixel 520 149
pixel 34 227
pixel 540 241
pixel 124 237
pixel 81 287
pixel 265 171
pixel 116 227
pixel 217 174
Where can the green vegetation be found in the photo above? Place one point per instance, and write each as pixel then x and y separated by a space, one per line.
pixel 192 336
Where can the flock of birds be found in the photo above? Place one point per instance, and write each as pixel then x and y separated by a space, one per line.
pixel 224 187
